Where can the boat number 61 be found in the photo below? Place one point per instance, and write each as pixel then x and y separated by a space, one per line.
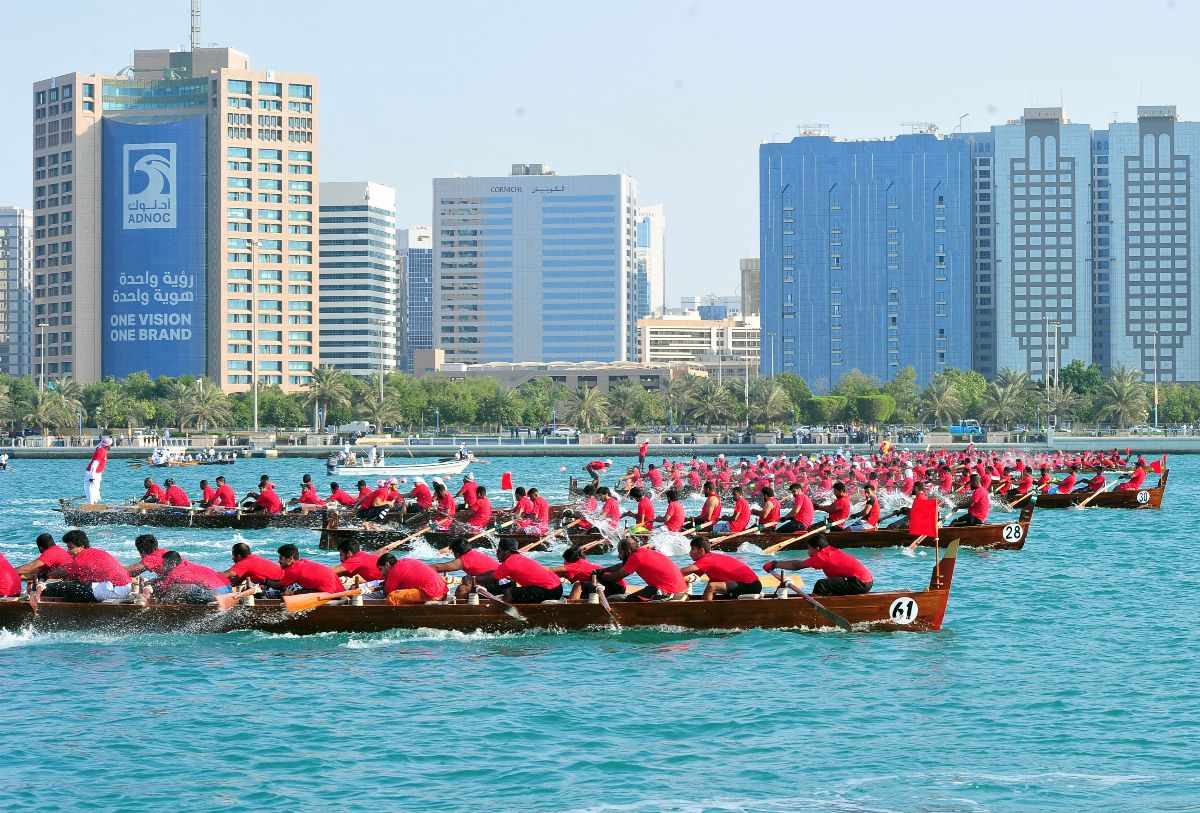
pixel 1012 532
pixel 903 610
pixel 1143 497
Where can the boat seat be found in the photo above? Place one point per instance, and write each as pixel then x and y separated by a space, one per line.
pixel 753 597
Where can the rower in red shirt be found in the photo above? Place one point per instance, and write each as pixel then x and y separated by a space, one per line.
pixel 522 508
pixel 655 477
pixel 10 579
pixel 981 505
pixel 532 582
pixel 154 492
pixel 208 494
pixel 189 582
pixel 664 581
pixel 675 517
pixel 410 581
pixel 844 575
pixel 740 520
pixel 366 495
pixel 867 519
pixel 541 512
pixel 480 513
pixel 152 556
pixel 92 575
pixel 579 571
pixel 469 490
pixel 1136 479
pixel 710 511
pixel 225 499
pixel 251 566
pixel 175 495
pixel 51 559
pixel 310 576
pixel 595 468
pixel 357 562
pixel 590 507
pixel 310 498
pixel 1096 483
pixel 445 503
pixel 421 494
pixel 644 516
pixel 340 496
pixel 1068 483
pixel 728 576
pixel 837 511
pixel 478 566
pixel 268 501
pixel 801 515
pixel 611 508
pixel 768 515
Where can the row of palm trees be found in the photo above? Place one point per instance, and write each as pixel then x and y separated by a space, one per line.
pixel 689 400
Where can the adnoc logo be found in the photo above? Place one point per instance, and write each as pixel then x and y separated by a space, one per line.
pixel 150 198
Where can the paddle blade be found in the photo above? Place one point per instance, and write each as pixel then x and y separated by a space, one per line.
pixel 227 602
pixel 307 601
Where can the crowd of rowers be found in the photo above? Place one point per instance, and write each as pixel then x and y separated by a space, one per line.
pixel 81 573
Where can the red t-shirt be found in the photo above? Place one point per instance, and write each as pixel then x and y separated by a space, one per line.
pixel 152 561
pixel 645 513
pixel 99 458
pixel 655 477
pixel 468 492
pixel 581 571
pixel 310 497
pixel 481 513
pixel 721 567
pixel 10 580
pixel 189 573
pixel 446 503
pixel 423 496
pixel 524 507
pixel 310 576
pixel 656 570
pixel 596 465
pixel 365 497
pixel 541 511
pixel 741 515
pixel 675 517
pixel 476 563
pixel 612 510
pixel 804 509
pixel 1067 484
pixel 363 564
pixel 155 491
pixel 209 495
pixel 981 504
pixel 1096 483
pixel 257 569
pixel 341 498
pixel 269 501
pixel 840 509
pixel 710 510
pixel 409 574
pixel 836 564
pixel 178 497
pixel 525 572
pixel 225 497
pixel 95 565
pixel 770 511
pixel 54 558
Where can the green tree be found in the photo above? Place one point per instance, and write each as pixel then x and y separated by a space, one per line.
pixel 328 387
pixel 1122 398
pixel 45 410
pixel 585 408
pixel 769 402
pixel 708 403
pixel 826 409
pixel 796 388
pixel 969 388
pixel 856 383
pixel 1062 403
pixel 875 409
pixel 501 408
pixel 940 401
pixel 903 389
pixel 206 406
pixel 1085 379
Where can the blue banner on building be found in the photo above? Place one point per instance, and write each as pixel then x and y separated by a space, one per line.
pixel 154 272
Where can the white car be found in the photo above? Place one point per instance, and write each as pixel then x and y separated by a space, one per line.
pixel 564 432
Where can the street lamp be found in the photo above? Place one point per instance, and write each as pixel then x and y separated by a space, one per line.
pixel 253 243
pixel 437 418
pixel 42 354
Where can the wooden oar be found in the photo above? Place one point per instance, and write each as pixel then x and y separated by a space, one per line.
pixel 228 601
pixel 393 545
pixel 508 608
pixel 751 530
pixel 309 601
pixel 1096 494
pixel 538 542
pixel 604 603
pixel 778 546
pixel 818 606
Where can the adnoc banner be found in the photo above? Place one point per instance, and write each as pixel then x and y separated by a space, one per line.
pixel 154 272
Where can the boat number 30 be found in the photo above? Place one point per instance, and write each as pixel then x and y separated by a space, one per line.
pixel 1012 532
pixel 903 610
pixel 1143 497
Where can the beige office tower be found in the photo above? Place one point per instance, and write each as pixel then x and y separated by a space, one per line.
pixel 174 213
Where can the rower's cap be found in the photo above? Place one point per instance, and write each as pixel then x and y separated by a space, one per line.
pixel 420 480
pixel 468 476
pixel 608 462
pixel 392 481
pixel 106 441
pixel 381 483
pixel 438 481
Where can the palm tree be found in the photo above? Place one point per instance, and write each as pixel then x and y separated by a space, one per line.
pixel 1002 402
pixel 769 402
pixel 178 395
pixel 206 405
pixel 586 407
pixel 376 409
pixel 940 401
pixel 1122 398
pixel 328 387
pixel 676 395
pixel 1061 402
pixel 69 393
pixel 625 403
pixel 709 403
pixel 46 410
pixel 1010 378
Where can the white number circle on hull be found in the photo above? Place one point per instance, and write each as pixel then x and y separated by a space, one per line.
pixel 1012 532
pixel 1143 497
pixel 903 610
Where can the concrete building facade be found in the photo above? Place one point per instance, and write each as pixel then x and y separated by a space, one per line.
pixel 751 286
pixel 361 292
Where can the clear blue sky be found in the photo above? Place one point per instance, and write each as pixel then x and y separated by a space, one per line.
pixel 677 94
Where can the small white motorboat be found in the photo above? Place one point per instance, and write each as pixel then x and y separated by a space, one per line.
pixel 413 467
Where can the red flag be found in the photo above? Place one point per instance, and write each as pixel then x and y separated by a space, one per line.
pixel 506 481
pixel 923 518
pixel 1156 467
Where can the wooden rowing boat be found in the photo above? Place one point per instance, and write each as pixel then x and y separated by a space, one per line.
pixel 993 536
pixel 1139 499
pixel 900 610
pixel 169 516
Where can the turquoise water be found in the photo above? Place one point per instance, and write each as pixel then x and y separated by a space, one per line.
pixel 1066 678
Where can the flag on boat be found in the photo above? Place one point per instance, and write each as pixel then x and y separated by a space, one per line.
pixel 923 518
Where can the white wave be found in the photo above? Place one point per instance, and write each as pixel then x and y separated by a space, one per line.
pixel 424 634
pixel 23 637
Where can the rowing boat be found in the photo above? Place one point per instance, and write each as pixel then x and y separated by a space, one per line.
pixel 900 610
pixel 170 516
pixel 1141 498
pixel 992 536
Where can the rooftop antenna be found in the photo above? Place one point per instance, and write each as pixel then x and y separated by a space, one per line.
pixel 195 25
pixel 915 127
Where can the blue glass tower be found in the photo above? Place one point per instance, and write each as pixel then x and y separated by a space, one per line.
pixel 866 256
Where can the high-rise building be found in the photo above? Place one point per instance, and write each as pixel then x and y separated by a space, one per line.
pixel 534 267
pixel 174 207
pixel 1034 259
pixel 865 256
pixel 359 278
pixel 717 344
pixel 16 291
pixel 727 306
pixel 751 286
pixel 416 269
pixel 1147 268
pixel 651 261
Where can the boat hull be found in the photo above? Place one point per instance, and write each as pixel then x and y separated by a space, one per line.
pixel 1135 500
pixel 159 516
pixel 440 468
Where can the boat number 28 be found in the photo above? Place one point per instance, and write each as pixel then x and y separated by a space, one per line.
pixel 1143 497
pixel 1012 532
pixel 903 610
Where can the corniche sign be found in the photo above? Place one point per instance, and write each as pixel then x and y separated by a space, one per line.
pixel 534 191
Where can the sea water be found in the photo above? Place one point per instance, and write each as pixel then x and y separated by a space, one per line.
pixel 1066 678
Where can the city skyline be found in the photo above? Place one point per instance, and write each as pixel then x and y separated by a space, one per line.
pixel 654 119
